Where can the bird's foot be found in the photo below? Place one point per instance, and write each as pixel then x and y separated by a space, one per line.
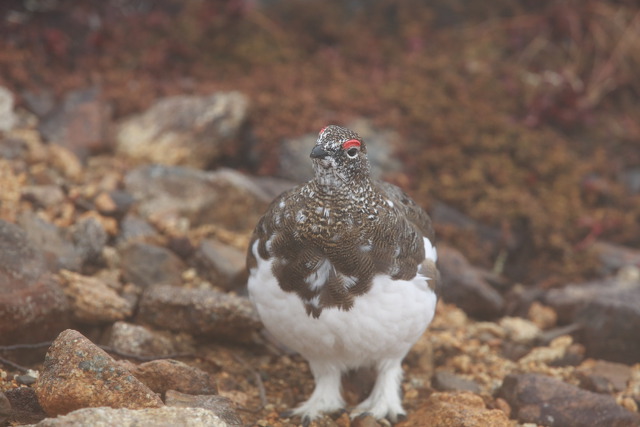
pixel 390 410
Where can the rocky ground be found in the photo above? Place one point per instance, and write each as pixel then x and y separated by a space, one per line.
pixel 128 194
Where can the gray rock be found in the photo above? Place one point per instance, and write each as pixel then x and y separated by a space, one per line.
pixel 78 374
pixel 89 237
pixel 8 118
pixel 294 153
pixel 148 265
pixel 166 374
pixel 223 265
pixel 463 285
pixel 60 251
pixel 184 130
pixel 156 417
pixel 448 381
pixel 5 408
pixel 614 257
pixel 134 228
pixel 604 377
pixel 202 312
pixel 33 307
pixel 536 398
pixel 224 197
pixel 219 405
pixel 81 123
pixel 142 341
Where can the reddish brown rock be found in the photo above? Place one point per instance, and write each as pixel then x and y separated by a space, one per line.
pixel 166 374
pixel 456 409
pixel 25 408
pixel 77 374
pixel 536 398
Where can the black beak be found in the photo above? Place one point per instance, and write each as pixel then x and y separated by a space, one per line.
pixel 318 153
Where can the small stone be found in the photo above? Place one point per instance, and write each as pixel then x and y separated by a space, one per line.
pixel 365 421
pixel 123 417
pixel 203 312
pixel 604 377
pixel 148 265
pixel 25 379
pixel 460 408
pixel 105 204
pixel 540 399
pixel 92 301
pixel 77 374
pixel 519 330
pixel 167 374
pixel 448 381
pixel 542 316
pixel 219 405
pixel 24 405
pixel 184 130
pixel 614 257
pixel 43 195
pixel 464 286
pixel 134 228
pixel 223 265
pixel 90 237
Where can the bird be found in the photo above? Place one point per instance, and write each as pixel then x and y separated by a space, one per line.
pixel 342 270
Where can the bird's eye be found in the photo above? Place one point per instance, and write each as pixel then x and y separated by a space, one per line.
pixel 351 147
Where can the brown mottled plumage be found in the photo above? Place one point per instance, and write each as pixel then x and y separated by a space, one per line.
pixel 342 226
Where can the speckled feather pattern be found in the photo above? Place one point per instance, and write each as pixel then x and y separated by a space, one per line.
pixel 331 236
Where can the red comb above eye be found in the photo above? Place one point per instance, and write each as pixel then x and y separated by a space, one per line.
pixel 322 130
pixel 350 144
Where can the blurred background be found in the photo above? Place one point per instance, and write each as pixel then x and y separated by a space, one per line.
pixel 515 123
pixel 141 141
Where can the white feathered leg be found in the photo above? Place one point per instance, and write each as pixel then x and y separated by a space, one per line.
pixel 384 400
pixel 327 395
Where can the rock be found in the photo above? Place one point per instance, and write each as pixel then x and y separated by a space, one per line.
pixel 166 374
pixel 604 377
pixel 61 253
pixel 89 237
pixel 219 405
pixel 141 341
pixel 456 409
pixel 132 227
pixel 43 195
pixel 148 265
pixel 448 381
pixel 81 123
pixel 77 374
pixel 614 257
pixel 25 408
pixel 8 118
pixel 536 398
pixel 608 311
pixel 184 130
pixel 5 408
pixel 203 312
pixel 462 285
pixel 294 153
pixel 223 265
pixel 365 420
pixel 224 197
pixel 33 307
pixel 92 301
pixel 519 330
pixel 542 316
pixel 157 417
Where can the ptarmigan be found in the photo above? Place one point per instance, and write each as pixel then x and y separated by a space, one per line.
pixel 342 270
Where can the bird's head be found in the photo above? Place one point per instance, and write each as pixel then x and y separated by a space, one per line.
pixel 339 157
